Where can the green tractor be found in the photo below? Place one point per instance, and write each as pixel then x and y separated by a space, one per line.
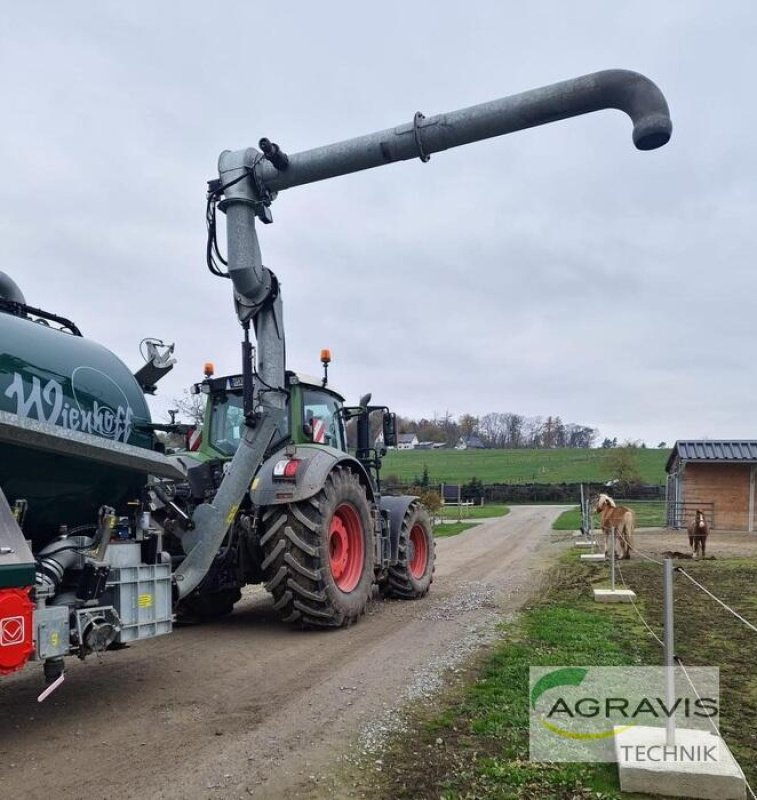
pixel 314 526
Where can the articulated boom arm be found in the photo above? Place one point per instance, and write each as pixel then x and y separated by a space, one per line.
pixel 250 179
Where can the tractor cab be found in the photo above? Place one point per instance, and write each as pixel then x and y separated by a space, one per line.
pixel 314 416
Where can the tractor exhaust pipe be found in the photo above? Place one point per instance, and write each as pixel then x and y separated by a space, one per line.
pixel 621 89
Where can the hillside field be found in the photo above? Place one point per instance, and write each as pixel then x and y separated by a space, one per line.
pixel 519 466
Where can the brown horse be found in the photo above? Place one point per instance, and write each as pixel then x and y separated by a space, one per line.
pixel 698 532
pixel 619 519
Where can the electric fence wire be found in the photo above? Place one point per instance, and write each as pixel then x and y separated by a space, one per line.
pixel 636 609
pixel 715 728
pixel 716 599
pixel 645 556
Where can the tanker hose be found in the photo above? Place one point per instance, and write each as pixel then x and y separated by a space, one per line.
pixel 56 558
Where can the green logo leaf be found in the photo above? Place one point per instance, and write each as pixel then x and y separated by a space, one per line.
pixel 570 676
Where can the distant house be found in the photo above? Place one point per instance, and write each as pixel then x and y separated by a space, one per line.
pixel 720 477
pixel 407 441
pixel 470 443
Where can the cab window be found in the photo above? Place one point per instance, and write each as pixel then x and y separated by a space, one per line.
pixel 227 423
pixel 322 419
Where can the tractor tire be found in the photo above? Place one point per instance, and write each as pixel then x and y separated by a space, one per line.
pixel 413 573
pixel 319 554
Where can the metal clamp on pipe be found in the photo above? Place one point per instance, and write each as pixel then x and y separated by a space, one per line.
pixel 424 157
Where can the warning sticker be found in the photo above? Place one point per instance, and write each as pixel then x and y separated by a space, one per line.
pixel 145 601
pixel 12 631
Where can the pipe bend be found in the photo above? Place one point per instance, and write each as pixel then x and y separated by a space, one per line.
pixel 642 100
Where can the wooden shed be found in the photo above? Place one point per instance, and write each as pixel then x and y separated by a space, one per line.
pixel 716 476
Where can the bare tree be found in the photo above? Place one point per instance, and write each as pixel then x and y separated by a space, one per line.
pixel 468 425
pixel 191 407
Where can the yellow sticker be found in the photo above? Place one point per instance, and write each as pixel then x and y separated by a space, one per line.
pixel 255 484
pixel 232 514
pixel 144 601
pixel 54 639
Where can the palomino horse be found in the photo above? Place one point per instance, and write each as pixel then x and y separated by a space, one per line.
pixel 698 531
pixel 617 518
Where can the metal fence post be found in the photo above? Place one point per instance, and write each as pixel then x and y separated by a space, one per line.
pixel 583 512
pixel 670 725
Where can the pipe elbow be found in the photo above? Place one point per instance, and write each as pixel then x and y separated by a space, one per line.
pixel 642 100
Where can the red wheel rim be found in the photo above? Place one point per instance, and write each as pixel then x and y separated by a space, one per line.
pixel 346 547
pixel 419 558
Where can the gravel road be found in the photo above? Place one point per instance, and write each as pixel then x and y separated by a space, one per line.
pixel 248 707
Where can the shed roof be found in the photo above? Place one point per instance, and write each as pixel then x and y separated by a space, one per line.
pixel 742 451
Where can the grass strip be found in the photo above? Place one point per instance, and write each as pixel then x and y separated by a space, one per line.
pixel 476 746
pixel 474 512
pixel 649 514
pixel 452 529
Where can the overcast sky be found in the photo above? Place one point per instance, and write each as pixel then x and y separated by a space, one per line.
pixel 552 271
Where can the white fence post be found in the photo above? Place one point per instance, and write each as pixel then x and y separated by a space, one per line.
pixel 612 562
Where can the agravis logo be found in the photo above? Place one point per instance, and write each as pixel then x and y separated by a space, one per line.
pixel 588 707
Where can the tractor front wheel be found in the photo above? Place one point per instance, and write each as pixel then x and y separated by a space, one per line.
pixel 413 573
pixel 319 554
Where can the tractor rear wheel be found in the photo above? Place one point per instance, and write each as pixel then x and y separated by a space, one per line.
pixel 413 573
pixel 319 554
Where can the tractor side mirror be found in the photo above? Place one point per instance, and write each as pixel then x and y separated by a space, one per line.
pixel 389 427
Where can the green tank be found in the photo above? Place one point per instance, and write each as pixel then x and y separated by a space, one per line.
pixel 58 378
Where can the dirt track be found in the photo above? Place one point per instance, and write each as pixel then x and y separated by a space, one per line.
pixel 247 707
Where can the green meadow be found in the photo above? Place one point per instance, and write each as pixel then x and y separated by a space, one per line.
pixel 520 466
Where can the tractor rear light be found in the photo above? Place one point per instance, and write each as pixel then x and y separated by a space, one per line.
pixel 286 469
pixel 16 635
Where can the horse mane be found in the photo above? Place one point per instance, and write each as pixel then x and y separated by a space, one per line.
pixel 605 499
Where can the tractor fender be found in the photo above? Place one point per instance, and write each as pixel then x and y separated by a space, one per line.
pixel 397 508
pixel 317 461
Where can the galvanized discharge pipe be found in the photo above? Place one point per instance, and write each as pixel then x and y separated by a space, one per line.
pixel 621 89
pixel 627 91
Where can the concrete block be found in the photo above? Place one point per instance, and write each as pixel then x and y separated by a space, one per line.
pixel 699 765
pixel 592 557
pixel 584 543
pixel 614 595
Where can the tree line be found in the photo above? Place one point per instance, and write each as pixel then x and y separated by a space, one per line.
pixel 504 430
